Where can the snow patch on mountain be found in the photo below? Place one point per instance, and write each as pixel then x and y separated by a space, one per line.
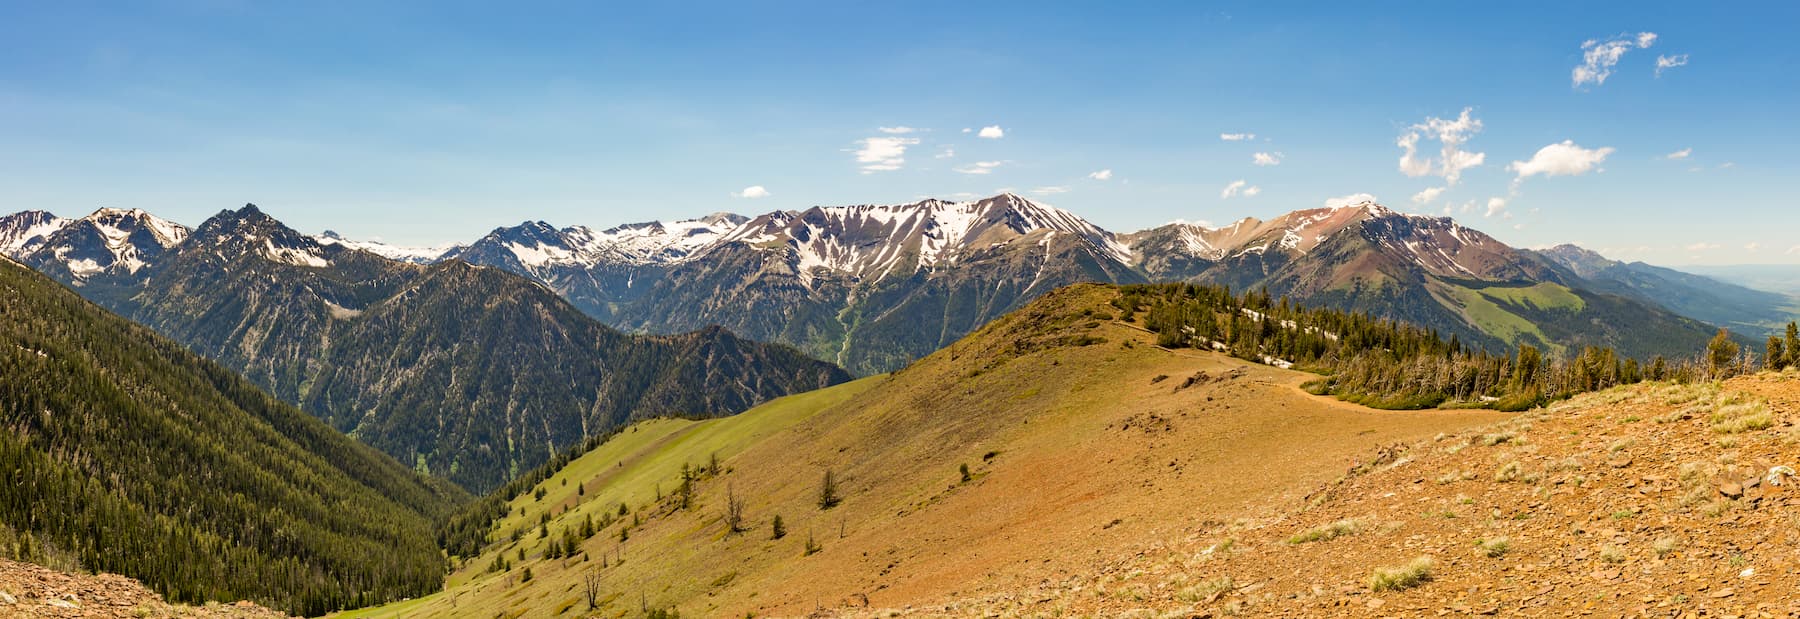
pixel 415 255
pixel 876 241
pixel 24 231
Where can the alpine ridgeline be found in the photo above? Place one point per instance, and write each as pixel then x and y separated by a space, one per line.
pixel 127 453
pixel 873 287
pixel 466 372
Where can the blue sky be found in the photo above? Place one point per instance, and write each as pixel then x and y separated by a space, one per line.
pixel 429 122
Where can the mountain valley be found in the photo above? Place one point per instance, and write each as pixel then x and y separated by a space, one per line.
pixel 464 372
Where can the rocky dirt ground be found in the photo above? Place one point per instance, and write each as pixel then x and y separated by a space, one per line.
pixel 1643 501
pixel 30 591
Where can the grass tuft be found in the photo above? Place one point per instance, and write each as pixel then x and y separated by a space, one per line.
pixel 1413 574
pixel 1495 547
pixel 1327 532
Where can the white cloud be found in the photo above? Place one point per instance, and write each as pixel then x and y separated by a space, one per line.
pixel 1429 194
pixel 1752 247
pixel 980 167
pixel 753 191
pixel 1103 175
pixel 1702 247
pixel 1680 154
pixel 1237 137
pixel 902 129
pixel 1563 158
pixel 1239 187
pixel 1793 250
pixel 1495 206
pixel 1350 200
pixel 1266 158
pixel 883 154
pixel 1599 57
pixel 1049 191
pixel 1451 134
pixel 947 153
pixel 1728 164
pixel 966 129
pixel 1664 63
pixel 992 132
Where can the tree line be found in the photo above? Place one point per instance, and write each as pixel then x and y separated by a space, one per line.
pixel 1391 364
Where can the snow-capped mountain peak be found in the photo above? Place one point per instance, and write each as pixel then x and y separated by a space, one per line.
pixel 873 241
pixel 24 231
pixel 415 255
pixel 114 241
pixel 231 234
pixel 537 245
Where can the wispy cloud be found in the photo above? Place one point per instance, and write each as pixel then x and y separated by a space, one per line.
pixel 1664 63
pixel 1451 134
pixel 992 132
pixel 1237 137
pixel 753 191
pixel 1237 188
pixel 1350 200
pixel 883 154
pixel 900 130
pixel 1050 191
pixel 980 167
pixel 1266 159
pixel 1563 158
pixel 1103 175
pixel 1680 154
pixel 1599 57
pixel 1429 194
pixel 947 153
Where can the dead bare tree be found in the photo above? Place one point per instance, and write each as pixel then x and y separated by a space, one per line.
pixel 734 510
pixel 591 585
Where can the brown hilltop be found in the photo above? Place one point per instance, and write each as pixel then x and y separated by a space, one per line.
pixel 1084 443
pixel 1650 500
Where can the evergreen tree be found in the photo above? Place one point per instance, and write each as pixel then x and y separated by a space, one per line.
pixel 1722 355
pixel 1792 344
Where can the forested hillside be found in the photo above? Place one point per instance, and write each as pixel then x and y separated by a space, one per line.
pixel 126 453
pixel 468 373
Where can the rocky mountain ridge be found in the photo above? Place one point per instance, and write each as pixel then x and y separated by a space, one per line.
pixel 871 287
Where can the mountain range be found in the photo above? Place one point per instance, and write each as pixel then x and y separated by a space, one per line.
pixel 872 287
pixel 875 287
pixel 466 372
